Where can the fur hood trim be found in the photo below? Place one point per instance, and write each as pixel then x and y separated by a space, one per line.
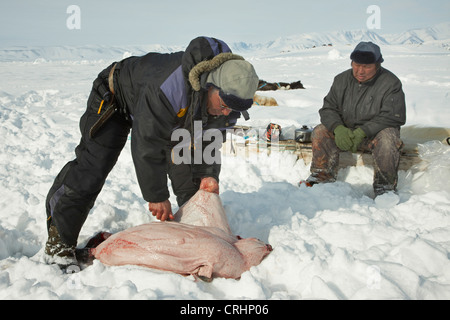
pixel 209 65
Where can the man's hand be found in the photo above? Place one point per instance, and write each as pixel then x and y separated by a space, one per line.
pixel 161 210
pixel 358 137
pixel 343 137
pixel 209 184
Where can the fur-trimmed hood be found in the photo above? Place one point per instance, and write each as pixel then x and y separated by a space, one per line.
pixel 232 75
pixel 198 74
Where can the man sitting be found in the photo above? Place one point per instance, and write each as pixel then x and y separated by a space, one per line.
pixel 364 110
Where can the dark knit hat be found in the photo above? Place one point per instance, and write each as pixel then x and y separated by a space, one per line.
pixel 237 81
pixel 367 53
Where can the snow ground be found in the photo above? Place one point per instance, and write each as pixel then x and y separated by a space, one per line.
pixel 330 242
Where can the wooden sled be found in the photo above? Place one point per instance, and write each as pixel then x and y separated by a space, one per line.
pixel 412 136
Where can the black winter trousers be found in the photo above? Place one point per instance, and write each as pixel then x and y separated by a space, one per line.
pixel 80 181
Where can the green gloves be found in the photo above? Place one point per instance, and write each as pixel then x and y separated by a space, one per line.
pixel 359 136
pixel 343 137
pixel 347 139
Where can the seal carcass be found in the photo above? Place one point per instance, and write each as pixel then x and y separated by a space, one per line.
pixel 199 242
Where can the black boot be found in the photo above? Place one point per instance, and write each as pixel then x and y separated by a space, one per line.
pixel 57 252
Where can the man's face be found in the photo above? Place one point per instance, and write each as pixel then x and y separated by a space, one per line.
pixel 364 72
pixel 215 105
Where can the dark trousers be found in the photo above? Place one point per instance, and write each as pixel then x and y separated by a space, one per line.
pixel 77 186
pixel 385 149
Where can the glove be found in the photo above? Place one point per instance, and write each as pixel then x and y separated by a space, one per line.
pixel 359 136
pixel 343 137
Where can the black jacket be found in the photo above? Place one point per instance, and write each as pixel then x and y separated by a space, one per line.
pixel 373 106
pixel 155 91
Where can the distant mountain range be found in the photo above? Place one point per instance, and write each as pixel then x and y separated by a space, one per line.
pixel 438 34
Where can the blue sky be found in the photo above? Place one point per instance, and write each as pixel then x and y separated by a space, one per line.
pixel 175 22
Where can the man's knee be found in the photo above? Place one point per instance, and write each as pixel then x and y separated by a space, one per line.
pixel 320 132
pixel 387 140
